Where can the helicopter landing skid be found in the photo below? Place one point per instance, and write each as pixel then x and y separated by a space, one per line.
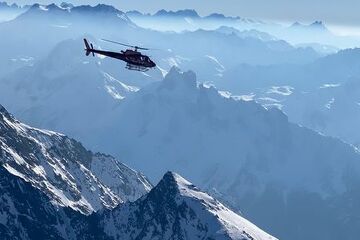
pixel 136 67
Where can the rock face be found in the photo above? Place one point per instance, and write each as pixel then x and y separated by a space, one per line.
pixel 64 170
pixel 27 213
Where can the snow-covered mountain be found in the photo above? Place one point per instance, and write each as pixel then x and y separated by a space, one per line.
pixel 320 95
pixel 64 170
pixel 250 157
pixel 176 209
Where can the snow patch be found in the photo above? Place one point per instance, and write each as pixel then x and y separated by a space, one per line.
pixel 281 90
pixel 225 94
pixel 268 99
pixel 123 17
pixel 60 26
pixel 330 85
pixel 221 67
pixel 273 105
pixel 163 71
pixel 330 103
pixel 246 98
pixel 13 171
pixel 43 8
pixel 232 223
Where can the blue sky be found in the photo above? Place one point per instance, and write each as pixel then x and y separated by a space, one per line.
pixel 344 12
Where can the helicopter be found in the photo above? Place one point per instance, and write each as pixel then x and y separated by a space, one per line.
pixel 134 59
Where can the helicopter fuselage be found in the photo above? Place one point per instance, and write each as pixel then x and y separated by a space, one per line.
pixel 128 56
pixel 134 59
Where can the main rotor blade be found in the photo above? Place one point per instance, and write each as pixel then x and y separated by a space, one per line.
pixel 126 45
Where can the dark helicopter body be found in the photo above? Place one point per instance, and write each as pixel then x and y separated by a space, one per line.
pixel 134 59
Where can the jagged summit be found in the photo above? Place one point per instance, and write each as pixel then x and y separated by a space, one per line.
pixel 2 109
pixel 104 8
pixel 66 5
pixel 173 183
pixel 136 13
pixel 191 13
pixel 180 13
pixel 6 5
pixel 317 25
pixel 176 76
pixel 296 24
pixel 170 179
pixel 14 6
pixel 220 16
pixel 4 113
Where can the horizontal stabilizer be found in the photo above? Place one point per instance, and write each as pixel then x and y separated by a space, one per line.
pixel 92 47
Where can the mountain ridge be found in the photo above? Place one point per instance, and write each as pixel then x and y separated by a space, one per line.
pixel 28 212
pixel 64 170
pixel 176 209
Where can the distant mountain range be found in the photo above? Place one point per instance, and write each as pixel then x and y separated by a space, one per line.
pixel 11 11
pixel 320 95
pixel 14 6
pixel 186 13
pixel 187 19
pixel 50 184
pixel 244 154
pixel 317 25
pixel 68 12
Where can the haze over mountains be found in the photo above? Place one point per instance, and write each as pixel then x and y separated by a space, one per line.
pixel 219 125
pixel 189 20
pixel 321 95
pixel 49 185
pixel 238 150
pixel 9 12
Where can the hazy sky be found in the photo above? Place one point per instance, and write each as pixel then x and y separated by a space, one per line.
pixel 340 12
